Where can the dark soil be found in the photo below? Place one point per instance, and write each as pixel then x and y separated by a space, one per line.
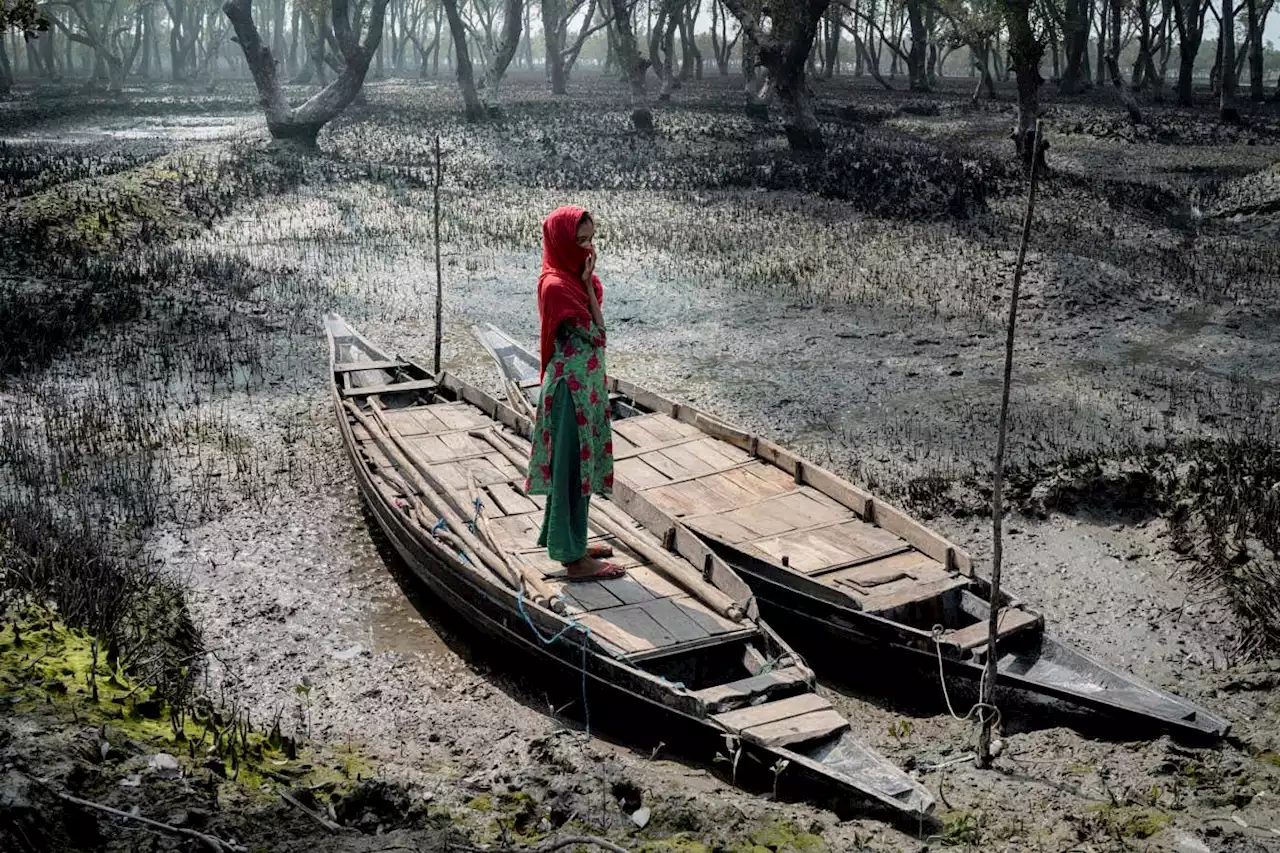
pixel 850 306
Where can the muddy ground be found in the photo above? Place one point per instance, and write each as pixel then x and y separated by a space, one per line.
pixel 856 317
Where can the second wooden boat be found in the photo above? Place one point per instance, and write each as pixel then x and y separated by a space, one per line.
pixel 822 553
pixel 678 639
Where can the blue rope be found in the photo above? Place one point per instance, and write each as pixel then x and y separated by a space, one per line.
pixel 546 641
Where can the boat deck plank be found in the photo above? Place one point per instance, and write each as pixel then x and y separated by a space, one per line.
pixel 1010 621
pixel 721 491
pixel 641 613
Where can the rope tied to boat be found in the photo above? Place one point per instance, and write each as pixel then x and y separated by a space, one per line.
pixel 475 519
pixel 546 641
pixel 936 636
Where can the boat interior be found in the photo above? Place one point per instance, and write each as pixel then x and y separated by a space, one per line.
pixel 735 672
pixel 688 466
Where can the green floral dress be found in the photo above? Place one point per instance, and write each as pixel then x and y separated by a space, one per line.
pixel 578 365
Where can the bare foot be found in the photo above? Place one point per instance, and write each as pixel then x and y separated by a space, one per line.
pixel 589 568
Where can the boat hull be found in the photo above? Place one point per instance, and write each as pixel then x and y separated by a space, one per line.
pixel 665 711
pixel 1034 662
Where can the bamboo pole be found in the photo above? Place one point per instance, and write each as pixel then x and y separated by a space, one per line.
pixel 614 521
pixel 986 712
pixel 439 281
pixel 440 505
pixel 535 581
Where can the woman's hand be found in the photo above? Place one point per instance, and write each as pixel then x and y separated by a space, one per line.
pixel 589 268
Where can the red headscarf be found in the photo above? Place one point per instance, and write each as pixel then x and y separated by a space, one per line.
pixel 561 295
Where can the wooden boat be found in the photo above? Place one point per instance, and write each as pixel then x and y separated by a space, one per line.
pixel 440 465
pixel 821 553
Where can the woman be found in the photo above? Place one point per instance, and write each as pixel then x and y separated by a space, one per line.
pixel 572 454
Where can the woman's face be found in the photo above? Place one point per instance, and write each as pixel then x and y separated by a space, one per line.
pixel 587 234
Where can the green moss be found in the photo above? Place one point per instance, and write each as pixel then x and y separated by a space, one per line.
pixel 962 828
pixel 783 835
pixel 482 803
pixel 46 667
pixel 678 843
pixel 1131 821
pixel 1272 758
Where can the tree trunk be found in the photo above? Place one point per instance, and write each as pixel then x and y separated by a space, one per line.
pixel 1227 111
pixel 513 17
pixel 1257 85
pixel 1188 16
pixel 1075 36
pixel 919 79
pixel 300 126
pixel 1025 52
pixel 1126 96
pixel 553 35
pixel 783 52
pixel 6 70
pixel 632 66
pixel 472 108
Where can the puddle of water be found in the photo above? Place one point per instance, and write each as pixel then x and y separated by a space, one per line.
pixel 170 129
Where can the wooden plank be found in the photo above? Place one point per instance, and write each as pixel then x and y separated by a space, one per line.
pixel 516 531
pixel 633 430
pixel 860 540
pixel 761 480
pixel 459 416
pixel 405 421
pixel 627 589
pixel 353 366
pixel 590 595
pixel 841 490
pixel 393 388
pixel 799 554
pixel 694 497
pixel 718 453
pixel 431 448
pixel 806 727
pixel 621 447
pixel 509 500
pixel 722 697
pixel 757 715
pixel 1010 621
pixel 721 528
pixel 916 592
pixel 674 501
pixel 661 426
pixel 801 510
pixel 667 466
pixel 637 624
pixel 656 584
pixel 724 486
pixel 712 623
pixel 639 474
pixel 693 465
pixel 670 614
pixel 664 445
pixel 759 520
pixel 619 637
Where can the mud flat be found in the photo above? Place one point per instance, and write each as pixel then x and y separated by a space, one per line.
pixel 867 338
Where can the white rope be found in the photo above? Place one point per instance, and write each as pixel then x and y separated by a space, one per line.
pixel 942 679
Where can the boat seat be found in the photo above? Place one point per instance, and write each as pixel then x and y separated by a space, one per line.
pixel 784 722
pixel 914 592
pixel 1011 621
pixel 393 388
pixel 745 691
pixel 355 366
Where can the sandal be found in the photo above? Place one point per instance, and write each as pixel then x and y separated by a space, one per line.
pixel 610 572
pixel 599 549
